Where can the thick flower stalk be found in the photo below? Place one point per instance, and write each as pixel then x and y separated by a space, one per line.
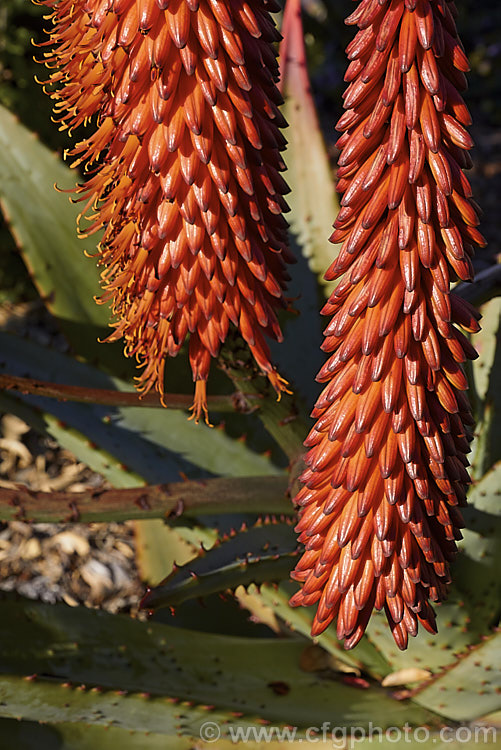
pixel 386 467
pixel 184 170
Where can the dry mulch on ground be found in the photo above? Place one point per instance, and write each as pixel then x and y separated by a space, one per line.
pixel 90 564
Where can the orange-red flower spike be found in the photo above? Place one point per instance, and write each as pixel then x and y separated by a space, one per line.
pixel 386 463
pixel 183 171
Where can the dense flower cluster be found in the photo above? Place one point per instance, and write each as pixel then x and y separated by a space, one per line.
pixel 386 467
pixel 184 170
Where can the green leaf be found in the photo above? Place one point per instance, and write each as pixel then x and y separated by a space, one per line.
pixel 152 443
pixel 259 554
pixel 255 677
pixel 477 570
pixel 158 548
pixel 364 656
pixel 469 688
pixel 43 222
pixel 33 735
pixel 486 373
pixel 313 200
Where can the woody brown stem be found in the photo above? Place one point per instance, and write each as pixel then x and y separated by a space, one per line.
pixel 110 397
pixel 221 495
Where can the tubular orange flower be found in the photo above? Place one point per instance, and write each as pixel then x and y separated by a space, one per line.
pixel 184 170
pixel 386 467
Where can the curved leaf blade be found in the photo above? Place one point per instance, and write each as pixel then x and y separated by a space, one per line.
pixel 43 222
pixel 152 443
pixel 113 652
pixel 470 687
pixel 486 376
pixel 313 201
pixel 259 554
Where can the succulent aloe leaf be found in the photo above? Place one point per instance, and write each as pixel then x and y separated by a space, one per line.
pixel 52 701
pixel 477 570
pixel 78 736
pixel 486 376
pixel 56 701
pixel 158 548
pixel 211 449
pixel 156 444
pixel 255 676
pixel 33 735
pixel 261 553
pixel 43 223
pixel 313 201
pixel 470 687
pixel 364 656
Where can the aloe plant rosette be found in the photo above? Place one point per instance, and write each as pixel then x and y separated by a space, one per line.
pixel 81 678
